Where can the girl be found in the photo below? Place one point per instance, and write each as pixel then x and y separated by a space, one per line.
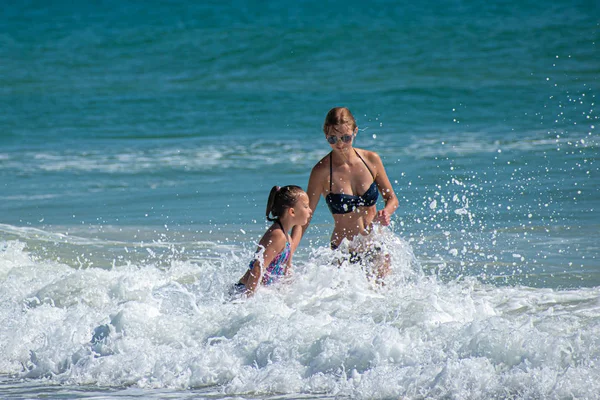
pixel 287 207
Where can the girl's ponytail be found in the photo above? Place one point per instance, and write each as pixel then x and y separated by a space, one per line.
pixel 271 202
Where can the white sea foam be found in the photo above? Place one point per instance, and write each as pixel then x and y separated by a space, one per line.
pixel 329 330
pixel 131 161
pixel 478 143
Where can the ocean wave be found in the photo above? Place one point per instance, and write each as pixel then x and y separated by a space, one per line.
pixel 130 161
pixel 474 143
pixel 262 153
pixel 328 331
pixel 109 247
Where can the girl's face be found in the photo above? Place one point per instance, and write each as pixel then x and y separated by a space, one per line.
pixel 341 136
pixel 302 211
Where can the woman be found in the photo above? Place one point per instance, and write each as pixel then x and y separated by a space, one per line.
pixel 350 179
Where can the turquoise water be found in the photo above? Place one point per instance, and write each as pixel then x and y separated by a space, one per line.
pixel 138 143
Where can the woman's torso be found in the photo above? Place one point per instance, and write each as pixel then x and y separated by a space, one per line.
pixel 351 193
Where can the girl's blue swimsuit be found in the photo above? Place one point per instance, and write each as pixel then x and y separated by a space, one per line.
pixel 276 268
pixel 274 271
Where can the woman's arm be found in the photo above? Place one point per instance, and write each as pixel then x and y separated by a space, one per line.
pixel 314 190
pixel 387 191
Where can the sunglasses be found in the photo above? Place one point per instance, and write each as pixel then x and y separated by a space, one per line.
pixel 334 139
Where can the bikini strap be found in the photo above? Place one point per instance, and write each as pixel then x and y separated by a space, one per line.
pixel 280 224
pixel 284 232
pixel 330 171
pixel 364 163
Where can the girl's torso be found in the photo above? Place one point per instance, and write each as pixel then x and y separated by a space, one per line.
pixel 277 267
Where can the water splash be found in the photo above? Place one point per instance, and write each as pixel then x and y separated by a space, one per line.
pixel 328 331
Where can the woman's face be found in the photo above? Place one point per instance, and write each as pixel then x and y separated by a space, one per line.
pixel 340 136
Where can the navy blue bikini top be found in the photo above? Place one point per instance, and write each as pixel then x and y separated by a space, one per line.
pixel 340 203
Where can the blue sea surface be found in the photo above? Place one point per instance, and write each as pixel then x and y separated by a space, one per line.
pixel 139 142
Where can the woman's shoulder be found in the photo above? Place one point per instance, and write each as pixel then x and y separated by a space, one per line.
pixel 371 156
pixel 322 165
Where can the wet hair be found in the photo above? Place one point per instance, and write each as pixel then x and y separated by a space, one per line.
pixel 338 116
pixel 280 199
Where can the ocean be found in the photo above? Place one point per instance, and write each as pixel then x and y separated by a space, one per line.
pixel 139 142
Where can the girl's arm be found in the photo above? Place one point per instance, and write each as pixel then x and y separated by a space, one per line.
pixel 288 267
pixel 295 241
pixel 254 276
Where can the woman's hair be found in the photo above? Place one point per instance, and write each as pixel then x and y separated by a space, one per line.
pixel 338 116
pixel 280 199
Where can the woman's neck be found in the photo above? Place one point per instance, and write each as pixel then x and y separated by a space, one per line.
pixel 345 156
